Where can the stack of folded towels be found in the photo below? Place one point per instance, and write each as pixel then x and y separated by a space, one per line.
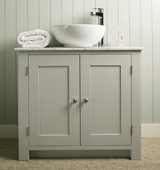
pixel 36 38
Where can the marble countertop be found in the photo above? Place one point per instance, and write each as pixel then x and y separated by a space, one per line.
pixel 105 48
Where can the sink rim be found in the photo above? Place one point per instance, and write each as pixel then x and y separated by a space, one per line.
pixel 79 25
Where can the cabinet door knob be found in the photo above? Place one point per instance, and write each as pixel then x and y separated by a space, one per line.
pixel 85 100
pixel 74 101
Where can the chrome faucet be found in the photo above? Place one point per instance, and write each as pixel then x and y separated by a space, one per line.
pixel 99 15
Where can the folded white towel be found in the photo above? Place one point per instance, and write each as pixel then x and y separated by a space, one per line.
pixel 35 38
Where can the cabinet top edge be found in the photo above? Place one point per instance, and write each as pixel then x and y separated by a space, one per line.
pixel 82 49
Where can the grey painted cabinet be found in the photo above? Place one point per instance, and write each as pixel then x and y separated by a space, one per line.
pixel 79 104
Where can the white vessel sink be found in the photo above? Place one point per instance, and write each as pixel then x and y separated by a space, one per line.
pixel 78 35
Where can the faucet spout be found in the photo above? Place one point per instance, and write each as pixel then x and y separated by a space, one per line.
pixel 99 15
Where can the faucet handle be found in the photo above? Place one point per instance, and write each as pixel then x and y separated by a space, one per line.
pixel 99 9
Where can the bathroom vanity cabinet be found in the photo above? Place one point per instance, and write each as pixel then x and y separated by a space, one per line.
pixel 79 102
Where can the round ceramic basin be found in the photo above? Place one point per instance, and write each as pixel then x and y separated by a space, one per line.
pixel 78 35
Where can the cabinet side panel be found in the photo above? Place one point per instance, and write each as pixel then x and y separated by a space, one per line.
pixel 23 106
pixel 136 116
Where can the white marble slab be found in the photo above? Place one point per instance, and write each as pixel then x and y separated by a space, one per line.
pixel 81 49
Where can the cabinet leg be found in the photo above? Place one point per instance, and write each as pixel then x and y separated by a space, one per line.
pixel 24 155
pixel 136 154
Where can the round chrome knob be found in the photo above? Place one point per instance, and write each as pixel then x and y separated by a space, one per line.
pixel 85 100
pixel 74 101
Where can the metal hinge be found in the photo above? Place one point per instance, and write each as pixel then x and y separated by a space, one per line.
pixel 131 130
pixel 27 71
pixel 131 70
pixel 27 130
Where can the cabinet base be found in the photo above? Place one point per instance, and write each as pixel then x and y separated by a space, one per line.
pixel 81 154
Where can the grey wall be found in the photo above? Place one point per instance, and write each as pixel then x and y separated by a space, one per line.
pixel 139 24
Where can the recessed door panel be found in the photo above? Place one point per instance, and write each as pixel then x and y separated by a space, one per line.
pixel 106 83
pixel 53 111
pixel 105 100
pixel 53 84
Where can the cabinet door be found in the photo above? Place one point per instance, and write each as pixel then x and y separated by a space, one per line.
pixel 106 83
pixel 53 83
